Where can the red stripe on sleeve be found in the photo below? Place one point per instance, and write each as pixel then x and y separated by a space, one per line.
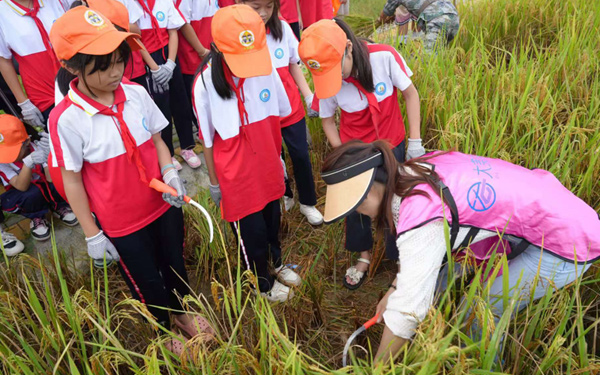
pixel 385 48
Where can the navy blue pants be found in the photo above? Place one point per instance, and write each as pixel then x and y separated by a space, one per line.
pixel 260 239
pixel 174 105
pixel 295 140
pixel 359 235
pixel 152 264
pixel 33 203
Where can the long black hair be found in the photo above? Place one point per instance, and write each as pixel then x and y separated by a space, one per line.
pixel 217 72
pixel 361 69
pixel 81 60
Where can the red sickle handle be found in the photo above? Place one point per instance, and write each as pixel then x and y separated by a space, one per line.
pixel 164 188
pixel 371 322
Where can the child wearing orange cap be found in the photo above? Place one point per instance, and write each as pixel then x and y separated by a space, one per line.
pixel 239 99
pixel 106 138
pixel 362 80
pixel 283 47
pixel 22 170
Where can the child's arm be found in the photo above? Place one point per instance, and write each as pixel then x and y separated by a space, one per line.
pixel 173 44
pixel 210 165
pixel 413 111
pixel 78 200
pixel 300 80
pixel 190 35
pixel 149 60
pixel 31 114
pixel 331 131
pixel 22 181
pixel 164 155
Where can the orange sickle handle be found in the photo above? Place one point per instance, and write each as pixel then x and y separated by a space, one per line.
pixel 371 322
pixel 161 187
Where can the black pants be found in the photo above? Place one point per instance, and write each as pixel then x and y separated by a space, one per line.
pixel 175 105
pixel 260 243
pixel 143 81
pixel 152 264
pixel 297 146
pixel 33 203
pixel 188 81
pixel 296 29
pixel 359 235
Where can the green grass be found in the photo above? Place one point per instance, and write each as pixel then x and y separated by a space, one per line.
pixel 520 82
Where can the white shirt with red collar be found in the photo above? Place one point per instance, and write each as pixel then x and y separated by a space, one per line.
pixel 199 14
pixel 84 140
pixel 390 72
pixel 20 37
pixel 283 53
pixel 167 17
pixel 246 157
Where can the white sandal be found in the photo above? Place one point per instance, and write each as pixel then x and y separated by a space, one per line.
pixel 356 276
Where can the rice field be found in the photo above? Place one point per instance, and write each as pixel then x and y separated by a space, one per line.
pixel 520 82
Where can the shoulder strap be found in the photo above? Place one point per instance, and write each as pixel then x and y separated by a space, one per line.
pixel 449 199
pixel 424 6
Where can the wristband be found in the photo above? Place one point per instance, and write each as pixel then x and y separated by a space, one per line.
pixel 163 169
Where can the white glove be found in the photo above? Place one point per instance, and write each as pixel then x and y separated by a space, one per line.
pixel 415 149
pixel 37 157
pixel 31 114
pixel 100 246
pixel 172 179
pixel 215 193
pixel 44 142
pixel 309 111
pixel 160 80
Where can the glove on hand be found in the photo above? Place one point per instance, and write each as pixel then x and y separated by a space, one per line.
pixel 215 193
pixel 309 111
pixel 415 149
pixel 100 246
pixel 31 114
pixel 172 179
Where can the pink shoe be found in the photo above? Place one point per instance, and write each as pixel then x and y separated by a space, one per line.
pixel 191 158
pixel 176 163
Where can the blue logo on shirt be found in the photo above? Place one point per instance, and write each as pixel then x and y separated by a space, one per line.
pixel 160 16
pixel 279 53
pixel 265 95
pixel 144 124
pixel 380 89
pixel 481 196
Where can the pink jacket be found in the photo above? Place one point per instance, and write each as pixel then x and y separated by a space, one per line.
pixel 495 195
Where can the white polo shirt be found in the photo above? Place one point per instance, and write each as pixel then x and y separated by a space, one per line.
pixel 390 72
pixel 283 53
pixel 246 157
pixel 199 14
pixel 21 38
pixel 168 18
pixel 84 140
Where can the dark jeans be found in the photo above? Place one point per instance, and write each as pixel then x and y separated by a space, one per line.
pixel 296 29
pixel 260 243
pixel 297 146
pixel 152 264
pixel 188 81
pixel 175 105
pixel 359 235
pixel 33 203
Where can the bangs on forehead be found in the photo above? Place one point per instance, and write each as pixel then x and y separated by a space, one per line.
pixel 102 63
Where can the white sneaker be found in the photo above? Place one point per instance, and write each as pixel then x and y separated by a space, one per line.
pixel 313 215
pixel 288 203
pixel 12 246
pixel 288 276
pixel 278 293
pixel 66 215
pixel 40 229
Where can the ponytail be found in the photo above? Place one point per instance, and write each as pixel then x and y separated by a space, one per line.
pixel 361 69
pixel 63 79
pixel 392 174
pixel 216 59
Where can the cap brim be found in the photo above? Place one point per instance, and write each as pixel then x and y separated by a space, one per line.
pixel 10 153
pixel 250 65
pixel 344 198
pixel 110 41
pixel 328 84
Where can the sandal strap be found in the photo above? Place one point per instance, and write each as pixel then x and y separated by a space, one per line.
pixel 363 260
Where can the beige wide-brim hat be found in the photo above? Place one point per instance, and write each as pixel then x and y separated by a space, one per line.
pixel 348 187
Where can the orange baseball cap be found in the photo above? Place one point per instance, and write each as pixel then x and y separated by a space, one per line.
pixel 116 12
pixel 12 136
pixel 322 49
pixel 84 30
pixel 240 34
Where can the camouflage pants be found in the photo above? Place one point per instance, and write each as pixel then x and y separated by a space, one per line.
pixel 439 31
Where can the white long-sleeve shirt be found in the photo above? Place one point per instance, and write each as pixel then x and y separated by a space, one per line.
pixel 421 252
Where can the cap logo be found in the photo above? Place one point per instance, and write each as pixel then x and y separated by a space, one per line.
pixel 1 138
pixel 265 95
pixel 93 18
pixel 247 38
pixel 313 64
